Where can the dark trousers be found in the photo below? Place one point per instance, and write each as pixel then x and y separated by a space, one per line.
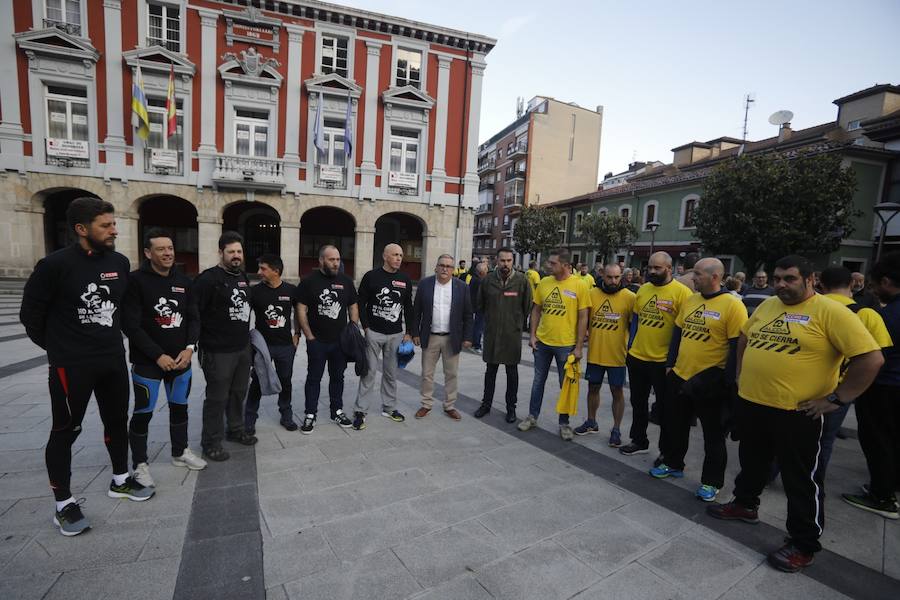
pixel 477 330
pixel 643 376
pixel 793 439
pixel 146 380
pixel 227 378
pixel 682 403
pixel 283 359
pixel 512 384
pixel 878 415
pixel 70 391
pixel 318 354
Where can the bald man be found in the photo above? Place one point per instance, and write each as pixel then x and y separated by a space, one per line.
pixel 701 367
pixel 385 312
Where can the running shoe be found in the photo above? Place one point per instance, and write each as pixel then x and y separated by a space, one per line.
pixel 287 423
pixel 565 432
pixel 527 423
pixel 70 520
pixel 217 454
pixel 242 437
pixel 189 460
pixel 664 470
pixel 615 438
pixel 586 428
pixel 732 511
pixel 790 559
pixel 342 420
pixel 308 423
pixel 131 490
pixel 359 421
pixel 707 493
pixel 633 448
pixel 141 474
pixel 394 415
pixel 886 508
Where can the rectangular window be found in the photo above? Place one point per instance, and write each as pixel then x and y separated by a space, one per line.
pixel 404 163
pixel 334 55
pixel 334 154
pixel 626 213
pixel 650 215
pixel 409 68
pixel 164 26
pixel 64 14
pixel 853 125
pixel 156 111
pixel 251 133
pixel 67 126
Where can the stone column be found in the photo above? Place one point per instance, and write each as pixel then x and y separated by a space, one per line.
pixel 290 251
pixel 115 105
pixel 470 198
pixel 11 134
pixel 364 253
pixel 370 125
pixel 440 128
pixel 207 148
pixel 208 232
pixel 292 100
pixel 127 243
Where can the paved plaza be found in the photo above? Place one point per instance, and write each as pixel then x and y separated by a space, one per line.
pixel 429 508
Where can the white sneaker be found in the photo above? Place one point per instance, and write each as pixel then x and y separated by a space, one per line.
pixel 190 460
pixel 142 475
pixel 527 423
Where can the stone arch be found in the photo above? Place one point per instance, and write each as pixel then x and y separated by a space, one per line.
pixel 321 225
pixel 178 217
pixel 406 229
pixel 260 225
pixel 53 202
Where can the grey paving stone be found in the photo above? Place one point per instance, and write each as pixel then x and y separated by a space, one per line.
pixel 276 593
pixel 293 513
pixel 334 473
pixel 515 454
pixel 453 441
pixel 653 516
pixel 165 503
pixel 461 588
pixel 30 440
pixel 471 467
pixel 524 482
pixel 213 566
pixel 280 483
pixel 10 544
pixel 440 556
pixel 239 469
pixel 633 581
pixel 21 424
pixel 10 411
pixel 392 487
pixel 288 458
pixel 33 586
pixel 460 503
pixel 377 577
pixel 224 511
pixel 33 484
pixel 373 530
pixel 35 515
pixel 765 583
pixel 545 571
pixel 166 539
pixel 13 461
pixel 357 445
pixel 150 580
pixel 892 549
pixel 295 555
pixel 49 551
pixel 860 537
pixel 608 542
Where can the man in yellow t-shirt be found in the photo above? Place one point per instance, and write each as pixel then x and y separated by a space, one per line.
pixel 607 344
pixel 533 276
pixel 585 276
pixel 702 356
pixel 559 320
pixel 655 308
pixel 789 358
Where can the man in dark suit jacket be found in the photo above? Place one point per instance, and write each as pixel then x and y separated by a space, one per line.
pixel 442 325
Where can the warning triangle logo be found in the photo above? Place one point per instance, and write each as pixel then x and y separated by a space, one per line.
pixel 650 307
pixel 554 304
pixel 778 326
pixel 605 307
pixel 697 317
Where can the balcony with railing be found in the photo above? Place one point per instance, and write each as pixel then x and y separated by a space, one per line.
pixel 485 185
pixel 68 153
pixel 487 165
pixel 484 209
pixel 163 162
pixel 332 177
pixel 482 230
pixel 70 28
pixel 172 45
pixel 520 150
pixel 248 172
pixel 514 174
pixel 514 201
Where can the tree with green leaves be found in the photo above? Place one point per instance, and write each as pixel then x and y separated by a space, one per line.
pixel 605 233
pixel 537 230
pixel 765 206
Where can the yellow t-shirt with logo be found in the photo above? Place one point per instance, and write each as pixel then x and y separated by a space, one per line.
pixel 706 326
pixel 794 352
pixel 608 327
pixel 656 307
pixel 872 320
pixel 534 278
pixel 588 279
pixel 560 302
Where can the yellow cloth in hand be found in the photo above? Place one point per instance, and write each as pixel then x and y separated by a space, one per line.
pixel 568 395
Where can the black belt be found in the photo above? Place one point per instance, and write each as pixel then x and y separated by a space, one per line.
pixel 442 333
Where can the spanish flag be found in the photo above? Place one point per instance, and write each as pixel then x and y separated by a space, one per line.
pixel 139 118
pixel 170 105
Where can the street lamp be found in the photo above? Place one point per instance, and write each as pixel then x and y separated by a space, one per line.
pixel 652 226
pixel 885 211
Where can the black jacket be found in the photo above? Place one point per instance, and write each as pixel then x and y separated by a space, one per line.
pixel 158 315
pixel 353 345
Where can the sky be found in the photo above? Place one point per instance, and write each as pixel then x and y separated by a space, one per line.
pixel 668 73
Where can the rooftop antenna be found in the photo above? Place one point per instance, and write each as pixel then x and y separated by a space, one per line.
pixel 748 100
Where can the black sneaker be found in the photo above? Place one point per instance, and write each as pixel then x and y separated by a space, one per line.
pixel 131 490
pixel 217 454
pixel 886 507
pixel 309 421
pixel 250 429
pixel 394 415
pixel 342 420
pixel 288 423
pixel 71 520
pixel 242 438
pixel 359 421
pixel 633 448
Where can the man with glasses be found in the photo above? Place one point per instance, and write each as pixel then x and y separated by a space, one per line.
pixel 759 292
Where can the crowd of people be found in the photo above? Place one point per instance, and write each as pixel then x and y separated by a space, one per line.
pixel 776 368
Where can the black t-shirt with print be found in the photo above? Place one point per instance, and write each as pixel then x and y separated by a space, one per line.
pixel 327 299
pixel 272 308
pixel 385 301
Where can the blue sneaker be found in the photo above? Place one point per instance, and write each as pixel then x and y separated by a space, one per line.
pixel 664 470
pixel 587 427
pixel 707 493
pixel 615 438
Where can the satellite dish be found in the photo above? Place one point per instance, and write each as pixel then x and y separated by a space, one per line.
pixel 781 117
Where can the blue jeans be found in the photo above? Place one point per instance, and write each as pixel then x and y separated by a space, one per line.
pixel 318 354
pixel 478 330
pixel 543 355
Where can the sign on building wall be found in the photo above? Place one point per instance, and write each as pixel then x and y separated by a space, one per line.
pixel 62 148
pixel 164 159
pixel 398 179
pixel 330 173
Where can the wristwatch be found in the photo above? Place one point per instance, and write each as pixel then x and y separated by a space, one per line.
pixel 834 399
pixel 191 347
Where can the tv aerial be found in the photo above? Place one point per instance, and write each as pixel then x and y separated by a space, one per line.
pixel 781 117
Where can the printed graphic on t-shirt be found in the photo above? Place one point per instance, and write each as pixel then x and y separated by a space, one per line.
pixel 328 304
pixel 775 336
pixel 650 315
pixel 553 304
pixel 240 308
pixel 695 325
pixel 388 305
pixel 605 318
pixel 167 314
pixel 275 318
pixel 98 308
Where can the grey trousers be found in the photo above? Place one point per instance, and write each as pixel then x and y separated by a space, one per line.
pixel 384 346
pixel 227 379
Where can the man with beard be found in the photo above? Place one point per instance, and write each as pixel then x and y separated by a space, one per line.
pixel 323 301
pixel 789 358
pixel 613 306
pixel 385 311
pixel 656 305
pixel 504 298
pixel 70 308
pixel 861 295
pixel 702 362
pixel 162 330
pixel 222 297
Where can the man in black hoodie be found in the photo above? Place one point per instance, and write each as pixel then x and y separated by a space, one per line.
pixel 222 297
pixel 162 328
pixel 70 307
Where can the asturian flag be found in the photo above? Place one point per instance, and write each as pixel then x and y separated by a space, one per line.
pixel 171 123
pixel 140 120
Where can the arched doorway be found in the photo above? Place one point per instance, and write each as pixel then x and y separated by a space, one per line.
pixel 178 217
pixel 326 225
pixel 259 224
pixel 406 230
pixel 56 231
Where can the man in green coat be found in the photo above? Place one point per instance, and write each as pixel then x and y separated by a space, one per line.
pixel 504 298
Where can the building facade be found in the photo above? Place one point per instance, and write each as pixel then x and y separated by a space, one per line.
pixel 550 152
pixel 267 93
pixel 864 133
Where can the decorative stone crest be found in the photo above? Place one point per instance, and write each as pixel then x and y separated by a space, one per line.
pixel 251 62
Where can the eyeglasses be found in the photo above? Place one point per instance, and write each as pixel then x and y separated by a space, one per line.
pixel 440 266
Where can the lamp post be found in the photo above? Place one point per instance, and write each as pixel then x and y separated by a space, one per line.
pixel 652 226
pixel 885 211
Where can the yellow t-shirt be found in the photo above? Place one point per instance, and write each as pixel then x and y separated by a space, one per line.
pixel 608 328
pixel 656 307
pixel 706 326
pixel 872 320
pixel 588 279
pixel 794 352
pixel 534 278
pixel 560 302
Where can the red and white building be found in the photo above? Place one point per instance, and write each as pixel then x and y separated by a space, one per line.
pixel 250 78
